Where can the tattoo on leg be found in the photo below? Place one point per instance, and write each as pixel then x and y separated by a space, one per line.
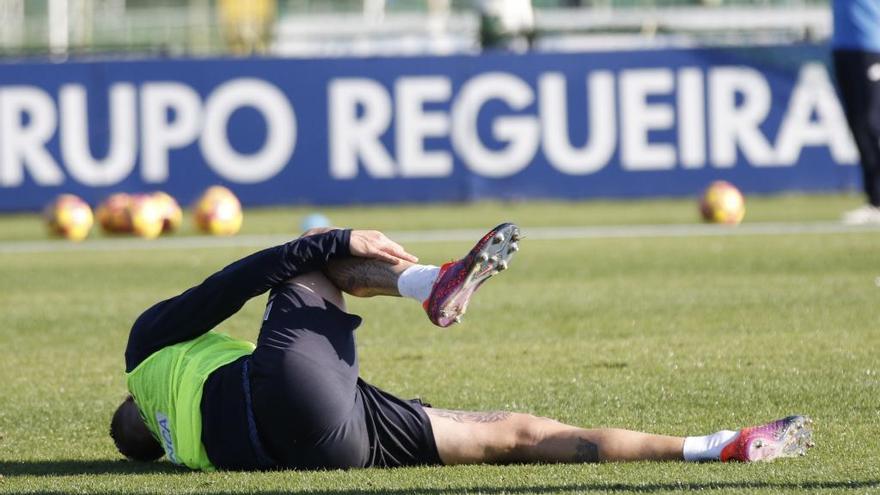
pixel 586 451
pixel 471 417
pixel 363 278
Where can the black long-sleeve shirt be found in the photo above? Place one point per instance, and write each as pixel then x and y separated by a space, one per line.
pixel 201 308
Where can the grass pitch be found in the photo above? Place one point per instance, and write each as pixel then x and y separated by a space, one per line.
pixel 679 335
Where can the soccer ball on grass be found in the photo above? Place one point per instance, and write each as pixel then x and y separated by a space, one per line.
pixel 69 216
pixel 218 212
pixel 172 215
pixel 722 203
pixel 113 214
pixel 146 215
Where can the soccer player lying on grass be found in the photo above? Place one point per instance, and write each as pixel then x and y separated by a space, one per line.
pixel 295 400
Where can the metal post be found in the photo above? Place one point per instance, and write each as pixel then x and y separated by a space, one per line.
pixel 12 20
pixel 59 27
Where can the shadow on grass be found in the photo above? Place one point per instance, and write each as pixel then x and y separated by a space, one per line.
pixel 11 469
pixel 121 467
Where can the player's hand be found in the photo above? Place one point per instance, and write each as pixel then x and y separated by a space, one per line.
pixel 373 244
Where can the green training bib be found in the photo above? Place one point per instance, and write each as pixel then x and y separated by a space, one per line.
pixel 167 388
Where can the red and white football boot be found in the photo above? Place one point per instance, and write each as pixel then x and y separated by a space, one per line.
pixel 787 437
pixel 458 280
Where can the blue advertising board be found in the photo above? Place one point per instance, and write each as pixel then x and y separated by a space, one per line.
pixel 349 130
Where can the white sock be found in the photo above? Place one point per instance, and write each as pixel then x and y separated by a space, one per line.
pixel 707 448
pixel 416 281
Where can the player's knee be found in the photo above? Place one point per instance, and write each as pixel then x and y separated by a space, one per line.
pixel 314 288
pixel 520 433
pixel 529 432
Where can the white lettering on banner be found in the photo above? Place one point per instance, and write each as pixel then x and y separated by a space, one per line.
pixel 351 137
pixel 814 94
pixel 410 96
pixel 691 122
pixel 599 147
pixel 690 118
pixel 158 134
pixel 122 147
pixel 735 126
pixel 739 102
pixel 280 131
pixel 171 118
pixel 520 133
pixel 640 117
pixel 23 145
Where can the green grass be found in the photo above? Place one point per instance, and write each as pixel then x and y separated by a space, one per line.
pixel 673 335
pixel 535 213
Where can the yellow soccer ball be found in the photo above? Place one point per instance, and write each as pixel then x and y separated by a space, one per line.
pixel 722 203
pixel 172 216
pixel 69 216
pixel 146 216
pixel 113 214
pixel 218 212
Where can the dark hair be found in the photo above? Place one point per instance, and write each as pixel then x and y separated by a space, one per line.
pixel 133 439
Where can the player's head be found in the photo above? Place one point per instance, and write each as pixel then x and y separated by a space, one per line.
pixel 131 435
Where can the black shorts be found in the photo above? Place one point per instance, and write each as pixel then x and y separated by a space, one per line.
pixel 310 407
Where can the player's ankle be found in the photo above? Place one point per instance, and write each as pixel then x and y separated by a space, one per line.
pixel 416 282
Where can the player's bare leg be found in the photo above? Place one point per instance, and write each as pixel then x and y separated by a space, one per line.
pixel 362 277
pixel 366 278
pixel 504 437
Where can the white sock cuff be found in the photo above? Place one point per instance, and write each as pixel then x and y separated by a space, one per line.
pixel 417 281
pixel 707 448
